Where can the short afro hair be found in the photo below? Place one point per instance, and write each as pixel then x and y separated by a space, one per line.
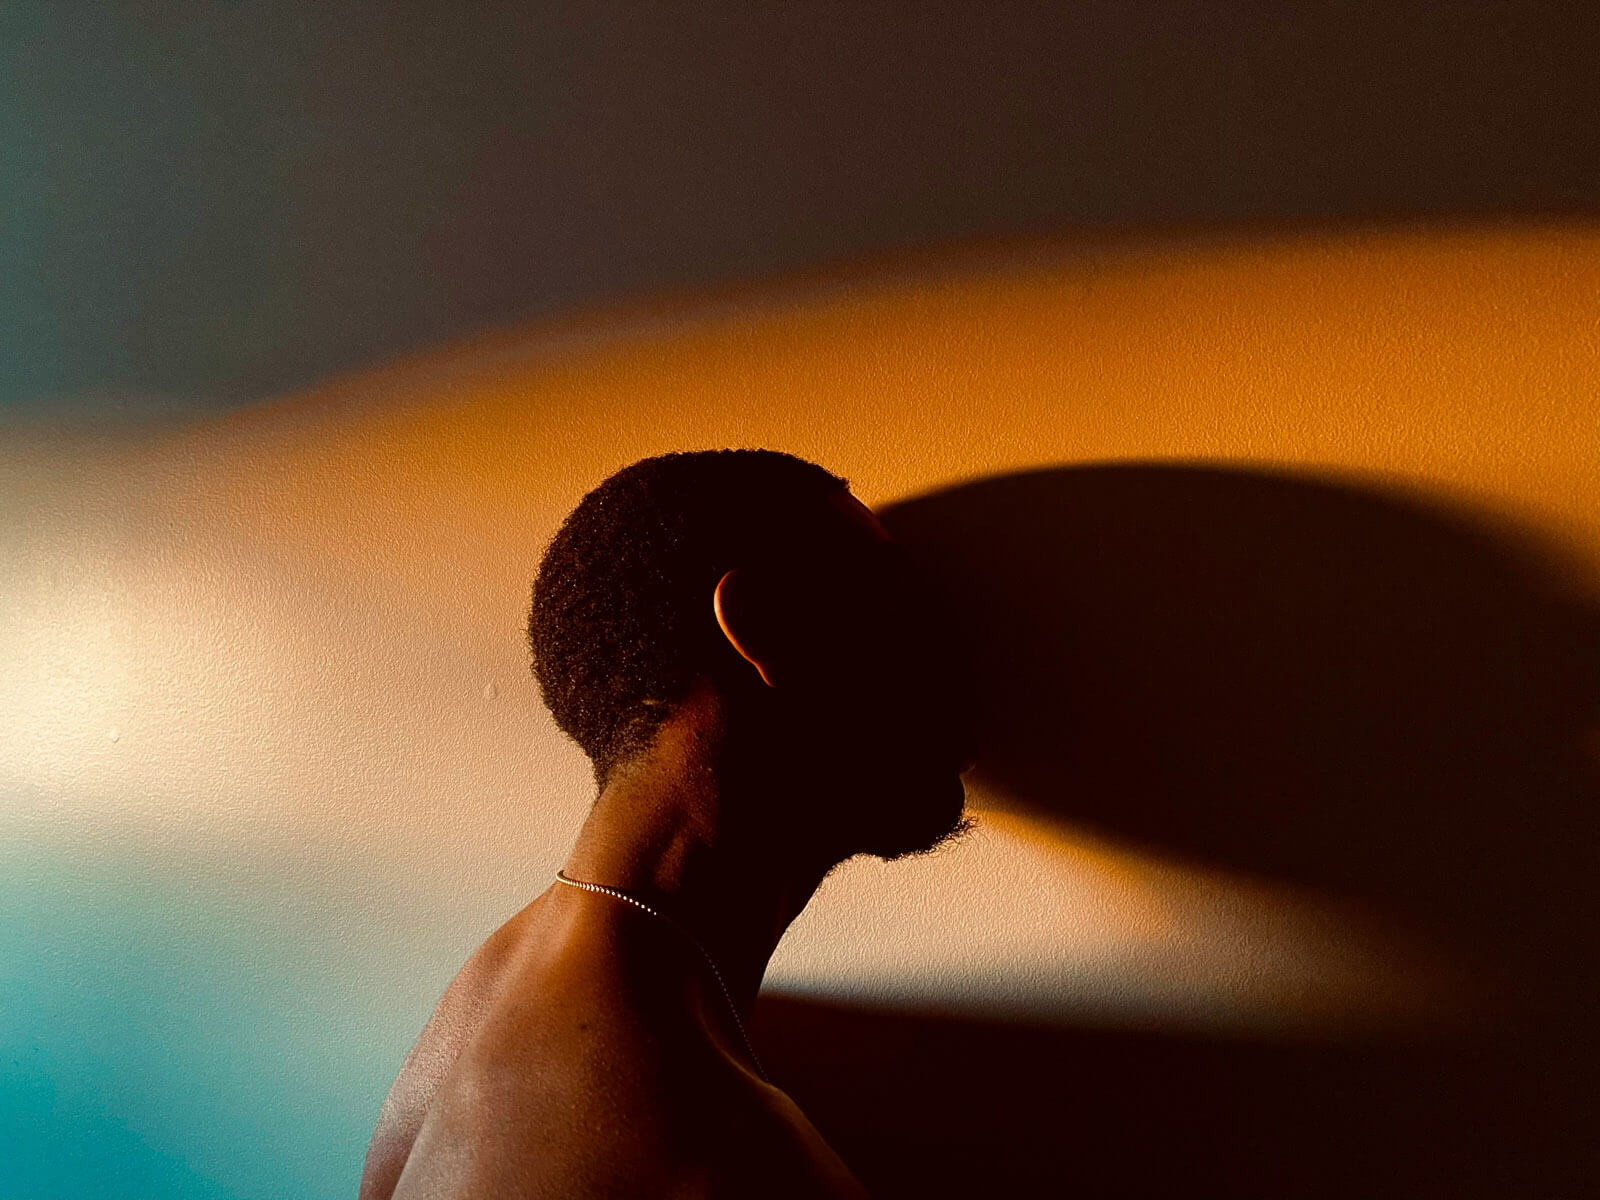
pixel 621 623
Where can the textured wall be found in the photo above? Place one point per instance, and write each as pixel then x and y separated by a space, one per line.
pixel 1279 549
pixel 207 204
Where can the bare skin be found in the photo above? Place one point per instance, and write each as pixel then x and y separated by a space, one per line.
pixel 586 1049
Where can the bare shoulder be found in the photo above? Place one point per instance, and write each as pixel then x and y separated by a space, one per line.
pixel 542 1076
pixel 768 1147
pixel 435 1051
pixel 688 1125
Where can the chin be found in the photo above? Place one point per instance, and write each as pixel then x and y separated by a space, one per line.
pixel 936 820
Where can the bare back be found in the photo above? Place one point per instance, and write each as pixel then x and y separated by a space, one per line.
pixel 567 1059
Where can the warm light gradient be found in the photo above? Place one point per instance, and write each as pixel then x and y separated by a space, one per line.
pixel 276 761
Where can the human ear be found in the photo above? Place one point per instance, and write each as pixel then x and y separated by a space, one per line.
pixel 737 608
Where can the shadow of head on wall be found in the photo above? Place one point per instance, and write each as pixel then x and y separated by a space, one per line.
pixel 1354 689
pixel 1364 691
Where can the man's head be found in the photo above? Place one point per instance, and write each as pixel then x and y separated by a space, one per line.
pixel 759 575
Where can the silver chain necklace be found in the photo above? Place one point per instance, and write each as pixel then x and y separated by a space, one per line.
pixel 693 941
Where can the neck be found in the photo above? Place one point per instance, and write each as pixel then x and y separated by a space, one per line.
pixel 676 833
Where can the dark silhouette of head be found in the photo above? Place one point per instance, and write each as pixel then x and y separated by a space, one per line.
pixel 756 575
